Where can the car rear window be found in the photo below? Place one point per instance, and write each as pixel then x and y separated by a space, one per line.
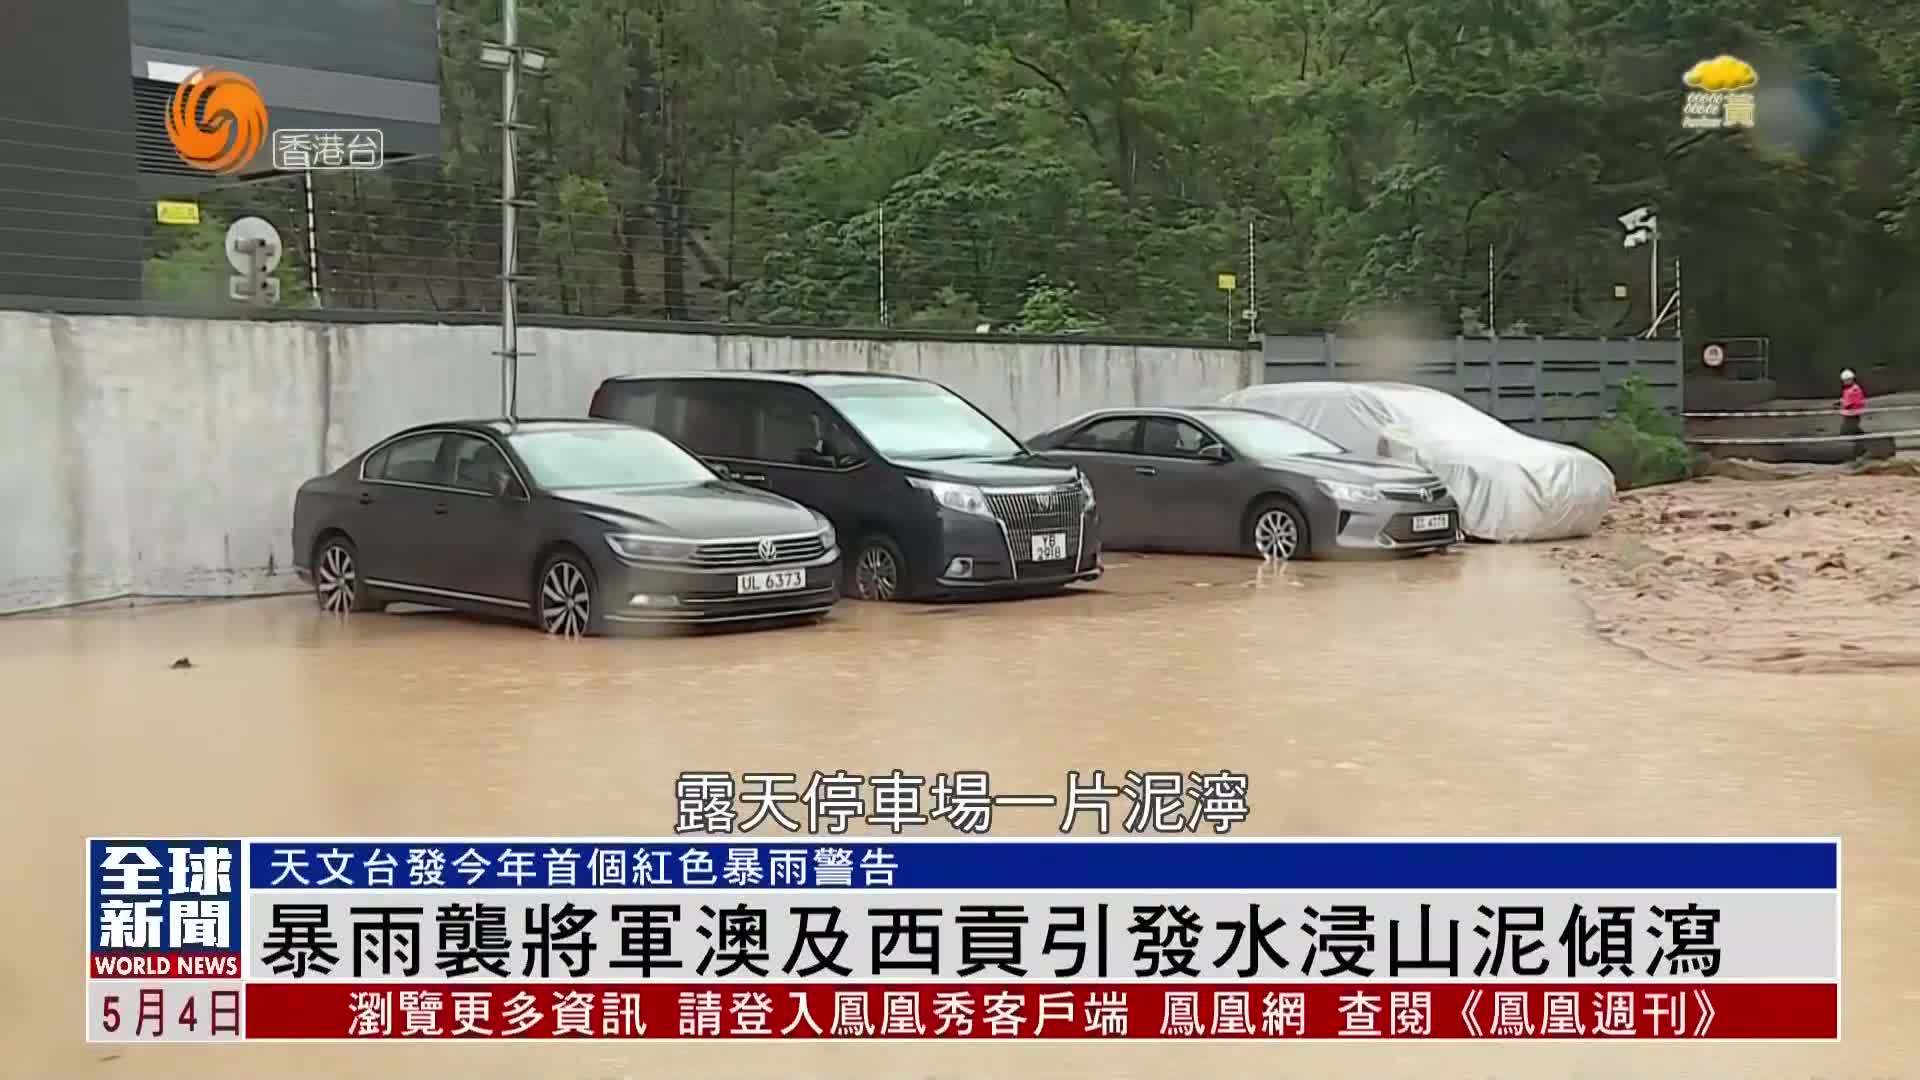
pixel 632 402
pixel 412 460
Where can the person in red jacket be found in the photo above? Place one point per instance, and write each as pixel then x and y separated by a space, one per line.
pixel 1853 405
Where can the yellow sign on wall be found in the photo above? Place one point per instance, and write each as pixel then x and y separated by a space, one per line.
pixel 176 213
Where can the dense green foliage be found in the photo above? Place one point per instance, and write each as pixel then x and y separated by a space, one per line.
pixel 1639 441
pixel 1094 164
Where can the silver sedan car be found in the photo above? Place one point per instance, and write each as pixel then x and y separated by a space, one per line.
pixel 1215 479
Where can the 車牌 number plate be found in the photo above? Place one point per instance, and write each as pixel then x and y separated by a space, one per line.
pixel 1049 547
pixel 773 581
pixel 1432 522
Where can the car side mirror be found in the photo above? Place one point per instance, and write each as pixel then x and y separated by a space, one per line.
pixel 841 451
pixel 1214 452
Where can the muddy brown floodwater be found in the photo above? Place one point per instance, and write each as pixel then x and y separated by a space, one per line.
pixel 1819 572
pixel 1461 695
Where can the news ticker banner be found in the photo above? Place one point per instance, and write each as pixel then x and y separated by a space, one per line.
pixel 224 940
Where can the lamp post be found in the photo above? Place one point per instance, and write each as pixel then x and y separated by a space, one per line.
pixel 1643 227
pixel 511 59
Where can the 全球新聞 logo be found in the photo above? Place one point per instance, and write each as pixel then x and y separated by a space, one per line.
pixel 217 120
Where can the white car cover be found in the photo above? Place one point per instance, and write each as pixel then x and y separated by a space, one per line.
pixel 1510 486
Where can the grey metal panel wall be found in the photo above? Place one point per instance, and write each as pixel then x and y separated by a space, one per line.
pixel 391 39
pixel 319 63
pixel 71 223
pixel 1555 388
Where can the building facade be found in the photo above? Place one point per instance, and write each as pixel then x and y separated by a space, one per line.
pixel 84 89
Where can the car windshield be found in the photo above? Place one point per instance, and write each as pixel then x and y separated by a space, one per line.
pixel 1269 436
pixel 919 420
pixel 606 457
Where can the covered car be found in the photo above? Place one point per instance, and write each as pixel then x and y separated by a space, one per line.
pixel 1510 486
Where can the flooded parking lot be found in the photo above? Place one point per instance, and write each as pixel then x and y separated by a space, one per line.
pixel 1459 695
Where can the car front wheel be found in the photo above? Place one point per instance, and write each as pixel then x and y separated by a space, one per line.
pixel 1277 530
pixel 879 571
pixel 337 584
pixel 568 599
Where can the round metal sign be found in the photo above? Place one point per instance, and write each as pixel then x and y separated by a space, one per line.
pixel 1713 355
pixel 247 229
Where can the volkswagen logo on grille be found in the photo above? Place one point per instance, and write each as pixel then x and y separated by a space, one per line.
pixel 1043 500
pixel 767 551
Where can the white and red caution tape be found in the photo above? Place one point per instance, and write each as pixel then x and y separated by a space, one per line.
pixel 1794 412
pixel 1763 440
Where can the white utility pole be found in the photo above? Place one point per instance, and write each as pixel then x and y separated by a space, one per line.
pixel 509 214
pixel 1653 277
pixel 883 265
pixel 511 59
pixel 1252 313
pixel 313 244
pixel 1491 288
pixel 1644 228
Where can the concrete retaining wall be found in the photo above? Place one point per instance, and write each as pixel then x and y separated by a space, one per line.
pixel 159 456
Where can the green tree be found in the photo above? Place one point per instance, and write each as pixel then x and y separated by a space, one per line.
pixel 761 160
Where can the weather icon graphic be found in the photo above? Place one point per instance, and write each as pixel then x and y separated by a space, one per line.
pixel 1721 75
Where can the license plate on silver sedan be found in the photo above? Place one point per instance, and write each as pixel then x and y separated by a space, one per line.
pixel 1049 547
pixel 1432 522
pixel 768 581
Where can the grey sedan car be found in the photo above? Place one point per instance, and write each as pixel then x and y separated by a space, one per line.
pixel 1214 479
pixel 575 525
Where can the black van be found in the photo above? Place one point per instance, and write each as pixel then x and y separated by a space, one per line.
pixel 929 496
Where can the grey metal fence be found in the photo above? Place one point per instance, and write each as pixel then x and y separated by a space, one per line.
pixel 1554 388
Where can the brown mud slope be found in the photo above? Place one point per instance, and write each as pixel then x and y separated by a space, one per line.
pixel 1816 573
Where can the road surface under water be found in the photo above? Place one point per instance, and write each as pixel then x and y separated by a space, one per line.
pixel 1460 695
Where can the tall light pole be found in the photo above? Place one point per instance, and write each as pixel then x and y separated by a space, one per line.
pixel 511 59
pixel 1643 227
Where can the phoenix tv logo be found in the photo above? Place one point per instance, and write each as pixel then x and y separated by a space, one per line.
pixel 1719 94
pixel 217 122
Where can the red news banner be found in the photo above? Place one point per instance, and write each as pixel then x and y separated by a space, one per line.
pixel 1042 1011
pixel 907 939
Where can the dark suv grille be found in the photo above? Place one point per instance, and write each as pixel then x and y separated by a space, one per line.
pixel 1027 514
pixel 1428 493
pixel 786 549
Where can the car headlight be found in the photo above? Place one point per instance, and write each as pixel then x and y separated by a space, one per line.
pixel 1342 492
pixel 827 537
pixel 965 498
pixel 650 548
pixel 1086 486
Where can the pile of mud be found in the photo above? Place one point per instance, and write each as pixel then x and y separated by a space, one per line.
pixel 1816 573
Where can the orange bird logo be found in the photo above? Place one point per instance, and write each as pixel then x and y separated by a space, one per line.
pixel 217 120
